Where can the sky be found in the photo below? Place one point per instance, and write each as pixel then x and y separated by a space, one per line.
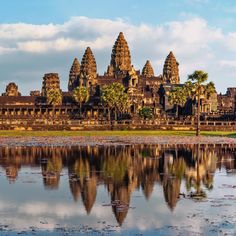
pixel 42 36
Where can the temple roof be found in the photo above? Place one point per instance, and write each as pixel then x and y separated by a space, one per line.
pixel 88 64
pixel 147 69
pixel 75 68
pixel 171 69
pixel 74 73
pixel 120 57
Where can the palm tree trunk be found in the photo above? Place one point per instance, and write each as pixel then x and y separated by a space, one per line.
pixel 198 116
pixel 80 108
pixel 115 114
pixel 109 115
pixel 177 110
pixel 198 174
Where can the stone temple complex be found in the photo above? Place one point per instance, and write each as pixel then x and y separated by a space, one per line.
pixel 144 89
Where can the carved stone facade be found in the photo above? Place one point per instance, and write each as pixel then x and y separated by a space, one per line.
pixel 88 69
pixel 120 57
pixel 11 90
pixel 227 102
pixel 50 81
pixel 35 93
pixel 148 70
pixel 171 70
pixel 73 77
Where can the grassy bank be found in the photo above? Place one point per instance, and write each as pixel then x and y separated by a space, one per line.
pixel 12 133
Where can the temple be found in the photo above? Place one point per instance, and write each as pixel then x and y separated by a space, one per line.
pixel 43 109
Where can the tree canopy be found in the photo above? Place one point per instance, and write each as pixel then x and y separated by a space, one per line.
pixel 178 97
pixel 115 97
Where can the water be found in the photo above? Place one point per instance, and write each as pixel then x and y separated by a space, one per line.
pixel 118 190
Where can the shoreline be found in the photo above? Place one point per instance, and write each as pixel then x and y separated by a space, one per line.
pixel 114 140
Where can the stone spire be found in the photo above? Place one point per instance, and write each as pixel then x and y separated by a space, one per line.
pixel 50 81
pixel 73 76
pixel 120 57
pixel 148 70
pixel 171 70
pixel 88 65
pixel 11 90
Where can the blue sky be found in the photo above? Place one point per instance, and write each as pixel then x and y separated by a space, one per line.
pixel 39 36
pixel 216 12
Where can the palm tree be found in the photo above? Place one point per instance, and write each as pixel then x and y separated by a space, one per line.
pixel 178 98
pixel 196 89
pixel 54 97
pixel 122 99
pixel 108 98
pixel 81 95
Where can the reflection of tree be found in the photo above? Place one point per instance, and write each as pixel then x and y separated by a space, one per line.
pixel 115 168
pixel 205 165
pixel 172 181
pixel 51 172
pixel 11 173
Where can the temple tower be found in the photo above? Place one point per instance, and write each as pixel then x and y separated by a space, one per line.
pixel 148 70
pixel 73 76
pixel 11 90
pixel 88 69
pixel 50 81
pixel 171 70
pixel 120 57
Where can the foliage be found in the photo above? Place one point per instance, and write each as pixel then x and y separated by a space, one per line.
pixel 115 168
pixel 54 97
pixel 54 165
pixel 81 94
pixel 196 88
pixel 178 97
pixel 115 97
pixel 146 112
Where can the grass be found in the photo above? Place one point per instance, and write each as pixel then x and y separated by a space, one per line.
pixel 13 133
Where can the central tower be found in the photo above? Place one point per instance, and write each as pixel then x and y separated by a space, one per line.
pixel 120 57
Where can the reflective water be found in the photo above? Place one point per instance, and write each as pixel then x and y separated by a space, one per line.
pixel 126 190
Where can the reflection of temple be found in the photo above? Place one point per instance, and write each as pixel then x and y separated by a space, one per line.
pixel 122 170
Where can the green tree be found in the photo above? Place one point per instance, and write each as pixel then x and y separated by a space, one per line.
pixel 54 97
pixel 178 98
pixel 196 88
pixel 146 112
pixel 80 95
pixel 115 98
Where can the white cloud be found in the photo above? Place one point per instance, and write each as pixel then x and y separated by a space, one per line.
pixel 41 48
pixel 228 63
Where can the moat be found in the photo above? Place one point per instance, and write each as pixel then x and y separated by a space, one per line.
pixel 118 190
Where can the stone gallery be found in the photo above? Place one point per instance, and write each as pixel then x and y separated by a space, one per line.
pixel 148 105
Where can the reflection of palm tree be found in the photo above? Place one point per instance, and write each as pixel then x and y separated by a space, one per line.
pixel 199 194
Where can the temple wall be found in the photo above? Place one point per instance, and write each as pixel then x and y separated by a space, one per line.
pixel 66 123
